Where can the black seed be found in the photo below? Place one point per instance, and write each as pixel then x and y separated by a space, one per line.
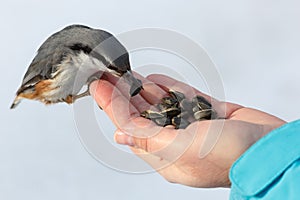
pixel 203 114
pixel 170 112
pixel 201 99
pixel 203 106
pixel 195 109
pixel 179 122
pixel 177 95
pixel 169 101
pixel 186 105
pixel 214 114
pixel 176 110
pixel 176 121
pixel 184 123
pixel 163 106
pixel 150 114
pixel 184 114
pixel 162 121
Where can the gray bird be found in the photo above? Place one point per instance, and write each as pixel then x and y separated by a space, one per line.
pixel 70 59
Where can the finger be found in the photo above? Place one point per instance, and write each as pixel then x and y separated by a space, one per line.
pixel 257 117
pixel 122 113
pixel 109 98
pixel 167 83
pixel 157 163
pixel 148 144
pixel 138 101
pixel 164 167
pixel 223 109
pixel 151 92
pixel 168 143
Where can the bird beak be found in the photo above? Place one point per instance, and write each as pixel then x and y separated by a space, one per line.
pixel 136 85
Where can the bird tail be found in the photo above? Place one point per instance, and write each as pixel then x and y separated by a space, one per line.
pixel 16 101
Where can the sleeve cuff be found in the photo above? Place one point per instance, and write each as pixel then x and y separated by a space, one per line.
pixel 266 160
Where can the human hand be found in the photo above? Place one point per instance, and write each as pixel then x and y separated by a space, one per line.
pixel 200 155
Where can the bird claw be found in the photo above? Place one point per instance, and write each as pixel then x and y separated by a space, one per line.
pixel 72 98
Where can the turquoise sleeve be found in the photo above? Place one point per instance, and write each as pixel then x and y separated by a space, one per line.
pixel 269 169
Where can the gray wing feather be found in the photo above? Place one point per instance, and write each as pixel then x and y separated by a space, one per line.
pixel 60 44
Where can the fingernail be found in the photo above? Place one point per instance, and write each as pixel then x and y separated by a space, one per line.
pixel 122 138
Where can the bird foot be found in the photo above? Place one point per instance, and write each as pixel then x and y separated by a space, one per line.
pixel 72 98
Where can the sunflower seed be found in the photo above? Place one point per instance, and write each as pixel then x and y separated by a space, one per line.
pixel 176 95
pixel 150 114
pixel 186 105
pixel 201 99
pixel 169 101
pixel 195 109
pixel 214 114
pixel 203 114
pixel 179 122
pixel 176 110
pixel 163 106
pixel 203 106
pixel 184 114
pixel 170 112
pixel 164 121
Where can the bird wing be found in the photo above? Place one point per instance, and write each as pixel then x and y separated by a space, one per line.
pixel 71 40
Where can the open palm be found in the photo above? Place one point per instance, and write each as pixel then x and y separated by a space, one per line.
pixel 200 155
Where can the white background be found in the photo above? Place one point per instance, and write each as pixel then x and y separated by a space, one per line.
pixel 254 44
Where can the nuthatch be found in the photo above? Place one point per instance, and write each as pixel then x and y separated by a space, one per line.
pixel 70 59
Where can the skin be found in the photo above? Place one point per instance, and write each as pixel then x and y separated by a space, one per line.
pixel 200 155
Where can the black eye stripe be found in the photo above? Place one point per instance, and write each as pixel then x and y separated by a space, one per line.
pixel 121 61
pixel 86 49
pixel 81 47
